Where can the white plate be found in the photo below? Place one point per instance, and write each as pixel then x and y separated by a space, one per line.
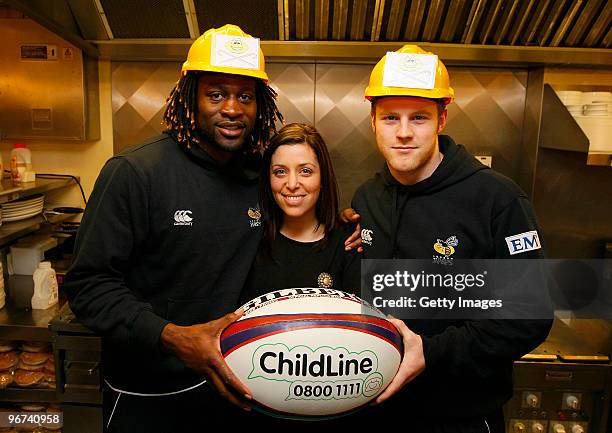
pixel 25 208
pixel 19 202
pixel 23 205
pixel 19 214
pixel 19 218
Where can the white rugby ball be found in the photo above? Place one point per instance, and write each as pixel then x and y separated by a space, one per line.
pixel 312 353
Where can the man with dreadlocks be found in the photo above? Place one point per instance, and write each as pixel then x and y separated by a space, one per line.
pixel 168 238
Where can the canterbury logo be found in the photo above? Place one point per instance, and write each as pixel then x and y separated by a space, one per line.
pixel 366 236
pixel 183 218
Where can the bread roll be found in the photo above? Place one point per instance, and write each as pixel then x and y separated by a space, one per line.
pixel 8 359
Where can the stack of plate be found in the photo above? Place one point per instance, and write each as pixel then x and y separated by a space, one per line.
pixel 22 208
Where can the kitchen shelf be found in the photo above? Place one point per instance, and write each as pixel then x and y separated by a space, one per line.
pixel 28 395
pixel 10 231
pixel 13 191
pixel 26 324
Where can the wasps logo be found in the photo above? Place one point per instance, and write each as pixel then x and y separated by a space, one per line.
pixel 447 247
pixel 254 213
pixel 237 46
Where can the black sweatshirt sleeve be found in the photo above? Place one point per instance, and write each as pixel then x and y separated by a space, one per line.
pixel 473 348
pixel 114 225
pixel 351 272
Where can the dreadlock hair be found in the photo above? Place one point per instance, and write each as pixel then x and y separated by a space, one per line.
pixel 182 107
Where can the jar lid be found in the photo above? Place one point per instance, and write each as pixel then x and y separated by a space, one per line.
pixel 19 146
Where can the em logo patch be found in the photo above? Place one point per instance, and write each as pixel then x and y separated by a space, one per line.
pixel 523 242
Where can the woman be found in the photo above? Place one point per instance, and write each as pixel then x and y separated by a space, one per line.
pixel 303 246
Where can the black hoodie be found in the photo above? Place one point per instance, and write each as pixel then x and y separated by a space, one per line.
pixel 168 236
pixel 468 363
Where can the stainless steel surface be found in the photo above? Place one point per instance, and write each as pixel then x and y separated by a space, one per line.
pixel 321 19
pixel 192 19
pixel 63 26
pixel 541 12
pixel 556 387
pixel 523 19
pixel 302 19
pixel 565 24
pixel 581 27
pixel 566 380
pixel 17 323
pixel 559 130
pixel 573 202
pixel 358 20
pixel 88 18
pixel 432 23
pixel 347 52
pixel 12 191
pixel 104 19
pixel 10 231
pixel 507 20
pixel 551 21
pixel 519 23
pixel 331 97
pixel 564 339
pixel 600 27
pixel 531 131
pixel 449 26
pixel 138 99
pixel 415 18
pixel 340 20
pixel 476 12
pixel 395 19
pixel 43 98
pixel 491 22
pixel 377 20
pixel 342 116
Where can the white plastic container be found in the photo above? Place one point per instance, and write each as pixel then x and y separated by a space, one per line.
pixel 28 253
pixel 21 163
pixel 45 287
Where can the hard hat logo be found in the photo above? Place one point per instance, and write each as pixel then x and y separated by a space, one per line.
pixel 236 45
pixel 235 52
pixel 416 71
pixel 410 64
pixel 410 71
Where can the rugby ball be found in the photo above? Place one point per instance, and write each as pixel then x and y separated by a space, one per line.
pixel 312 354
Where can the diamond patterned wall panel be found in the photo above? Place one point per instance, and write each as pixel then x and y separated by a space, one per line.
pixel 294 84
pixel 139 96
pixel 342 116
pixel 487 116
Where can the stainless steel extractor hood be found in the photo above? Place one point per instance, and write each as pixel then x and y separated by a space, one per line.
pixel 475 32
pixel 47 90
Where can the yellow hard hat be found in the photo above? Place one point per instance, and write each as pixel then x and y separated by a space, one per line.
pixel 441 86
pixel 228 58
